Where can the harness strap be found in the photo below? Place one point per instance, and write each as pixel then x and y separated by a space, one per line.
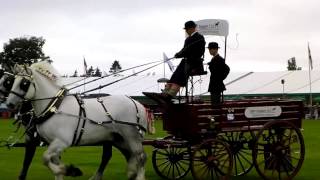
pixel 82 111
pixel 105 109
pixel 52 107
pixel 17 94
pixel 137 111
pixel 120 122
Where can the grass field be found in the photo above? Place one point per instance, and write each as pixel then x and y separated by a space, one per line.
pixel 87 158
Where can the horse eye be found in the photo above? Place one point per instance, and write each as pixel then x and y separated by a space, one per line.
pixel 24 85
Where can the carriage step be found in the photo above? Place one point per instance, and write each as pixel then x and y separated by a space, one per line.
pixel 243 128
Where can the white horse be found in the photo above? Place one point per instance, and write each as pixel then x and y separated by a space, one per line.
pixel 65 120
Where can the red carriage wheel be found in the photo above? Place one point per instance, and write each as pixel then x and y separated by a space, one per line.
pixel 279 150
pixel 211 160
pixel 172 162
pixel 240 144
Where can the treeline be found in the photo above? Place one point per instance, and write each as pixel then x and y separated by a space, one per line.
pixel 28 50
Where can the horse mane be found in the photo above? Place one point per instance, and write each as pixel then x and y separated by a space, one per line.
pixel 47 70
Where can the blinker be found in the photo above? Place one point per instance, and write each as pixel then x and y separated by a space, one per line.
pixel 24 84
pixel 7 84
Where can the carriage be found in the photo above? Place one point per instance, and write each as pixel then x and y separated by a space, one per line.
pixel 218 142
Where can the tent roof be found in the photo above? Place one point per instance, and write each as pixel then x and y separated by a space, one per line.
pixel 236 83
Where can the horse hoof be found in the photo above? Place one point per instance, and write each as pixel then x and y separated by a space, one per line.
pixel 73 171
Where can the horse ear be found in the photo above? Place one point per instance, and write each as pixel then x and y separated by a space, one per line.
pixel 27 69
pixel 17 69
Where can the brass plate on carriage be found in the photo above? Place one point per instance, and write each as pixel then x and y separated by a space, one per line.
pixel 262 111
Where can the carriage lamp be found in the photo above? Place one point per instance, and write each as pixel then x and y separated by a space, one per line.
pixel 212 123
pixel 282 82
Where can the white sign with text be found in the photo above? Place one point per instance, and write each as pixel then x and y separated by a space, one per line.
pixel 217 27
pixel 262 111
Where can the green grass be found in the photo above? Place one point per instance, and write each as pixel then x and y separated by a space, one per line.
pixel 88 158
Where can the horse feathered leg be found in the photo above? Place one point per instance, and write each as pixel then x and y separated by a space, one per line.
pixel 106 156
pixel 131 147
pixel 51 158
pixel 135 168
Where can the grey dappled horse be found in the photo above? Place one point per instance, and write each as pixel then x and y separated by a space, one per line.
pixel 70 120
pixel 32 141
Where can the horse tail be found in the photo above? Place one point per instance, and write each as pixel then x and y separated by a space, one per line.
pixel 150 121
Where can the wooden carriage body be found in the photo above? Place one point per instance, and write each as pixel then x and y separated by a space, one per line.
pixel 234 115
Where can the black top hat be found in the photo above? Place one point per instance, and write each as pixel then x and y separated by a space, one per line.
pixel 213 45
pixel 189 24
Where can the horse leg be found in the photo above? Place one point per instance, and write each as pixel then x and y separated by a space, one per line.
pixel 136 163
pixel 106 156
pixel 51 158
pixel 136 159
pixel 30 149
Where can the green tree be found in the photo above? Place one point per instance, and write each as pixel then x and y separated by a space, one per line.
pixel 292 65
pixel 75 74
pixel 22 50
pixel 115 67
pixel 90 71
pixel 97 72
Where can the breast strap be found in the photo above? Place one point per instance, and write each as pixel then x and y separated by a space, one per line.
pixel 82 116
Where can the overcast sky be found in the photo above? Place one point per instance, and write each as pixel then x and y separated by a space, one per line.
pixel 263 35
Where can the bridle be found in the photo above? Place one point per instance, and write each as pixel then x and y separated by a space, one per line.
pixel 24 86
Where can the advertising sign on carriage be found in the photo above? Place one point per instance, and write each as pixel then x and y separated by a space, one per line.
pixel 262 111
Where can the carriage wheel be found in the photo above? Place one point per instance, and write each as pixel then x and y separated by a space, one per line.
pixel 278 151
pixel 240 144
pixel 212 159
pixel 171 162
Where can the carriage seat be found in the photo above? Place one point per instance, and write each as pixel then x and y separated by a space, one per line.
pixel 198 73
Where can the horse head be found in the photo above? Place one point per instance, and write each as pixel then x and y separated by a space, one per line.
pixel 22 88
pixel 39 81
pixel 6 81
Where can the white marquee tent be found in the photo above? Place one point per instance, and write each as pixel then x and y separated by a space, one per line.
pixel 237 83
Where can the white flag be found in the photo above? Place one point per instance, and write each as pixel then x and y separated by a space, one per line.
pixel 85 66
pixel 166 60
pixel 310 59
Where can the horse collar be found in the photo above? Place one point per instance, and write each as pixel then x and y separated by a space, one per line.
pixel 52 107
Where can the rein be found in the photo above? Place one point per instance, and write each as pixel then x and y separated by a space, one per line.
pixel 106 75
pixel 108 84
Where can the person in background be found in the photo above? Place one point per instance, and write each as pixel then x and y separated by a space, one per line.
pixel 218 70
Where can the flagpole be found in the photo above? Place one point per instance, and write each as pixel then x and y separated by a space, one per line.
pixel 85 73
pixel 164 69
pixel 310 89
pixel 310 68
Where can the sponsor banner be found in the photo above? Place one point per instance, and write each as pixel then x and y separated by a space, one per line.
pixel 217 27
pixel 262 111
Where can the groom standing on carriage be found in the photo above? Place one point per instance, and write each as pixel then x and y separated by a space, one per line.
pixel 192 53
